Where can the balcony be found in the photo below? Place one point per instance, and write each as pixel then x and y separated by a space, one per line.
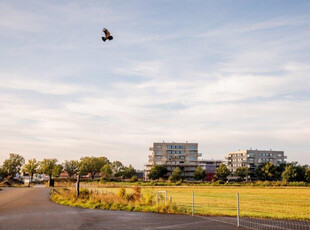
pixel 151 149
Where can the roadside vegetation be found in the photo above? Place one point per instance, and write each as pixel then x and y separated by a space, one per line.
pixel 119 199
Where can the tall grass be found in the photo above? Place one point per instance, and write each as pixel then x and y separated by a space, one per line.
pixel 123 200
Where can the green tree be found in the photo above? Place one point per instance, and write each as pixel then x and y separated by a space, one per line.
pixel 222 172
pixel 176 175
pixel 116 166
pixel 2 173
pixel 57 170
pixel 157 171
pixel 128 172
pixel 279 170
pixel 47 166
pixel 199 173
pixel 242 172
pixel 307 174
pixel 13 165
pixel 266 171
pixel 106 171
pixel 92 165
pixel 31 167
pixel 301 172
pixel 289 174
pixel 71 167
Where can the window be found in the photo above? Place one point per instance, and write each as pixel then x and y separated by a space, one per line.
pixel 192 147
pixel 192 151
pixel 158 157
pixel 158 152
pixel 192 158
pixel 158 146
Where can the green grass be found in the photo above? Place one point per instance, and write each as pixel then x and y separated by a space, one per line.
pixel 261 202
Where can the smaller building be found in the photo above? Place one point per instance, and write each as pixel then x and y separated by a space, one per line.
pixel 253 158
pixel 210 166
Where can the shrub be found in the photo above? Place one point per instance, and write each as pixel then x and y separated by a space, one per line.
pixel 130 197
pixel 84 193
pixel 137 192
pixel 133 179
pixel 122 192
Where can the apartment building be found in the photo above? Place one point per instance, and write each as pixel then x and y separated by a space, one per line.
pixel 209 166
pixel 253 158
pixel 173 155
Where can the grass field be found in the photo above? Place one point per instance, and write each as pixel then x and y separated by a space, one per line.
pixel 264 202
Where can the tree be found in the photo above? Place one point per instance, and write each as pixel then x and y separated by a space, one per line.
pixel 127 172
pixel 106 171
pixel 31 167
pixel 2 173
pixel 176 175
pixel 71 167
pixel 242 172
pixel 199 173
pixel 222 172
pixel 307 174
pixel 57 170
pixel 301 172
pixel 47 166
pixel 289 174
pixel 157 171
pixel 13 165
pixel 279 170
pixel 92 165
pixel 116 166
pixel 266 171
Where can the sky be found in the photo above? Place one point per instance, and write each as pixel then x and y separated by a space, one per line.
pixel 229 75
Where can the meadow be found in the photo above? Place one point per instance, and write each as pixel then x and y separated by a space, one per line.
pixel 262 202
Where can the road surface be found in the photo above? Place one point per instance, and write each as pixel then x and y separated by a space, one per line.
pixel 30 208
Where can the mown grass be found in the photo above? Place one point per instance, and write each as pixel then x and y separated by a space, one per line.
pixel 262 202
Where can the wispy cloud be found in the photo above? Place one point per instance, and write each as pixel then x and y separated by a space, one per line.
pixel 226 81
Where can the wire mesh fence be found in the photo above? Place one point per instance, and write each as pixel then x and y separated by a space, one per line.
pixel 259 208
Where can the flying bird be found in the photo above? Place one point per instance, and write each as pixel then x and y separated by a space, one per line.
pixel 107 35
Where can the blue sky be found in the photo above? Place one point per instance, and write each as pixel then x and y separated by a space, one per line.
pixel 227 74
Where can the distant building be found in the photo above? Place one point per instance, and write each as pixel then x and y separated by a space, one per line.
pixel 173 155
pixel 253 158
pixel 210 166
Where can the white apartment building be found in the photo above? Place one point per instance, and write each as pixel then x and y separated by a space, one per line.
pixel 253 158
pixel 173 155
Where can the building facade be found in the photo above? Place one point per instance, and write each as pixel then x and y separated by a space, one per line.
pixel 173 155
pixel 253 158
pixel 210 166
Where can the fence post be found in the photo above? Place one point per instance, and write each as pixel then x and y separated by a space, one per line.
pixel 193 203
pixel 78 186
pixel 156 198
pixel 238 210
pixel 166 198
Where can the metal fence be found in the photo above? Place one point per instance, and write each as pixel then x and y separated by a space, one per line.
pixel 253 208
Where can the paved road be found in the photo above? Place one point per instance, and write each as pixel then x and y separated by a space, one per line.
pixel 30 208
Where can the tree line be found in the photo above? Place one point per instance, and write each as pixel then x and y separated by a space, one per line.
pixel 85 166
pixel 288 172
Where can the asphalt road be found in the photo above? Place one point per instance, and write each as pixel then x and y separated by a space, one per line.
pixel 30 208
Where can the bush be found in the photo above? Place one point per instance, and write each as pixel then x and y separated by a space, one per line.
pixel 137 192
pixel 133 179
pixel 122 192
pixel 84 193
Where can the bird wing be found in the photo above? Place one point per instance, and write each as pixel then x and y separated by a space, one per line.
pixel 106 32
